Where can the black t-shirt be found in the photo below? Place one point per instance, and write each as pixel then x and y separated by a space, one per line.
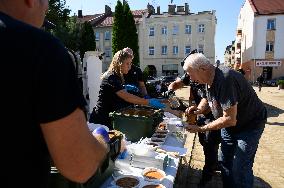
pixel 198 92
pixel 185 78
pixel 230 88
pixel 39 85
pixel 108 100
pixel 241 71
pixel 133 77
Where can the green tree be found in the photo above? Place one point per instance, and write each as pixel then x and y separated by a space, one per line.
pixel 74 35
pixel 118 33
pixel 124 30
pixel 88 41
pixel 131 32
pixel 58 14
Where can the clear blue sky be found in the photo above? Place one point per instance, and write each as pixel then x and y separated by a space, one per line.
pixel 227 12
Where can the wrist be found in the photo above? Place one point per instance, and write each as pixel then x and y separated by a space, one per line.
pixel 199 110
pixel 204 128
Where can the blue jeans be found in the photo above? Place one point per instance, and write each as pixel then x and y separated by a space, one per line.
pixel 237 157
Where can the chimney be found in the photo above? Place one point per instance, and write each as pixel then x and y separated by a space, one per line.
pixel 80 14
pixel 107 10
pixel 158 10
pixel 186 9
pixel 180 8
pixel 151 9
pixel 171 9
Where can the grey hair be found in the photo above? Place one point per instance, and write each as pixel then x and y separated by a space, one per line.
pixel 195 61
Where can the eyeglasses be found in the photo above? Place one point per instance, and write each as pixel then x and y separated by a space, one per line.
pixel 192 52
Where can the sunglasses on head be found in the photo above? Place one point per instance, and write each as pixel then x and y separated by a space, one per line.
pixel 192 52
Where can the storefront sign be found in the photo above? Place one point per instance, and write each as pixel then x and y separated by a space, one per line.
pixel 268 63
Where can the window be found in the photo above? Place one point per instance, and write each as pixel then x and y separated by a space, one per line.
pixel 151 31
pixel 175 30
pixel 171 69
pixel 151 50
pixel 107 35
pixel 97 36
pixel 164 30
pixel 187 29
pixel 164 50
pixel 107 52
pixel 269 46
pixel 187 50
pixel 200 48
pixel 271 24
pixel 201 28
pixel 175 50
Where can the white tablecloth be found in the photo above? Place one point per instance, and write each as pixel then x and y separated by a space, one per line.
pixel 171 169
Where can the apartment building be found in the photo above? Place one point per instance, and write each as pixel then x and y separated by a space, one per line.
pixel 102 25
pixel 229 55
pixel 259 39
pixel 164 38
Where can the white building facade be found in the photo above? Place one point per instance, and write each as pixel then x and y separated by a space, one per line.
pixel 260 38
pixel 165 39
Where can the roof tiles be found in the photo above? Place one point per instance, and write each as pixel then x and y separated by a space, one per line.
pixel 266 7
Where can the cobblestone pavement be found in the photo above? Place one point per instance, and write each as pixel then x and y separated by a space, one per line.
pixel 269 161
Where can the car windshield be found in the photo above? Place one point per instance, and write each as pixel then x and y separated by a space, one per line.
pixel 150 78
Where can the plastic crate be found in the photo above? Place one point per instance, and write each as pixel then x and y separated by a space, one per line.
pixel 136 122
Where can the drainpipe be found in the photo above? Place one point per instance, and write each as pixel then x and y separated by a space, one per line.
pixel 253 49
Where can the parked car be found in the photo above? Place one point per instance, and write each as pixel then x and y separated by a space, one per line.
pixel 273 82
pixel 151 80
pixel 167 79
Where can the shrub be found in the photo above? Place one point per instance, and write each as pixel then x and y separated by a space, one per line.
pixel 280 82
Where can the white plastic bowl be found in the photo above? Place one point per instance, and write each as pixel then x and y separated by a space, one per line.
pixel 149 169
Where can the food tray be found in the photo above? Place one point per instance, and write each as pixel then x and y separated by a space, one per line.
pixel 126 181
pixel 149 172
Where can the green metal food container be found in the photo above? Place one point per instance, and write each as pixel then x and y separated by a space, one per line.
pixel 136 122
pixel 105 171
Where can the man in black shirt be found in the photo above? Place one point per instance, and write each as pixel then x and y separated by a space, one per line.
pixel 238 68
pixel 42 103
pixel 239 113
pixel 210 140
pixel 260 80
pixel 134 77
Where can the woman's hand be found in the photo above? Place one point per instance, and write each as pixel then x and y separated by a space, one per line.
pixel 155 103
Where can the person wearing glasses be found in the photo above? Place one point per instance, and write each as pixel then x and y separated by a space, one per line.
pixel 113 94
pixel 239 113
pixel 209 140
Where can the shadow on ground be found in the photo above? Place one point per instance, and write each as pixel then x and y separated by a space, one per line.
pixel 273 111
pixel 189 177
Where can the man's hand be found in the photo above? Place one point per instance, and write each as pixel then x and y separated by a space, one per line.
pixel 101 132
pixel 193 128
pixel 169 93
pixel 192 110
